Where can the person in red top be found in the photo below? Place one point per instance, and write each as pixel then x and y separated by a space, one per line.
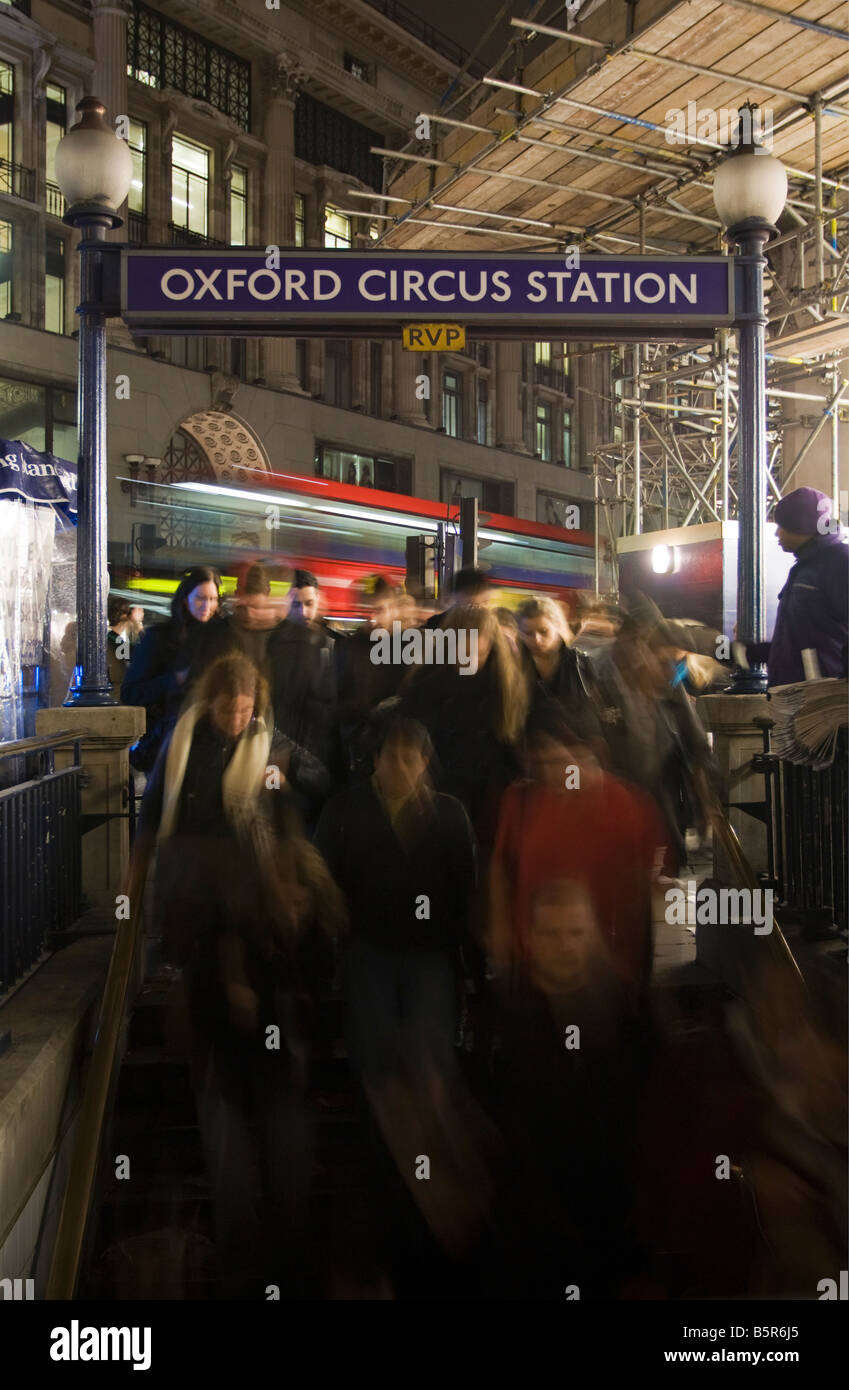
pixel 571 820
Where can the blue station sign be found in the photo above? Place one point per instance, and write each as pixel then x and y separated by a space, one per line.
pixel 268 292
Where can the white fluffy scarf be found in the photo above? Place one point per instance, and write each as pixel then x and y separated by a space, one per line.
pixel 243 777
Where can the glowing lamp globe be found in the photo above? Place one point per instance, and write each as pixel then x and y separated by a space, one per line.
pixel 94 168
pixel 749 185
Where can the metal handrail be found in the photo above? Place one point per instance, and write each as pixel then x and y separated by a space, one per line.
pixel 748 879
pixel 38 743
pixel 76 1204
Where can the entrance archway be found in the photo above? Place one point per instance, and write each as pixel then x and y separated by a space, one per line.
pixel 212 446
pixel 209 446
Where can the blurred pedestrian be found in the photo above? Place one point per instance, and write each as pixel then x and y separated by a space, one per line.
pixel 568 819
pixel 166 659
pixel 403 856
pixel 558 677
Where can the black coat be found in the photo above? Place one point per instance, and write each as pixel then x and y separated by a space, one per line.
pixel 567 694
pixel 472 762
pixel 163 652
pixel 384 874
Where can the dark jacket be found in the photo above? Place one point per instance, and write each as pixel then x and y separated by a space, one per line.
pixel 362 685
pixel 384 871
pixel 163 653
pixel 298 664
pixel 566 694
pixel 473 762
pixel 813 611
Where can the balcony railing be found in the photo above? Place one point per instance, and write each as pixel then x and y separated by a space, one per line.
pixel 53 200
pixel 17 180
pixel 181 236
pixel 426 33
pixel 137 227
pixel 552 376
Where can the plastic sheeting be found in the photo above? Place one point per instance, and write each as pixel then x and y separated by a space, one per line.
pixel 37 612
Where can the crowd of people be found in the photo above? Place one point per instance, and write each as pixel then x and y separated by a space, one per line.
pixel 469 859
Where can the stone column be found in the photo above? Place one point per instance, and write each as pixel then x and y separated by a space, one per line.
pixel 735 740
pixel 282 77
pixel 359 374
pixel 106 734
pixel 109 80
pixel 508 398
pixel 406 366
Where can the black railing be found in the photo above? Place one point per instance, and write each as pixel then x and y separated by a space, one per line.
pixel 40 857
pixel 53 200
pixel 181 236
pixel 426 33
pixel 137 226
pixel 807 825
pixel 17 180
pixel 552 376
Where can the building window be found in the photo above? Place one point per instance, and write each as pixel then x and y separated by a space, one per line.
pixel 570 514
pixel 54 285
pixel 300 219
pixel 542 439
pixel 137 141
pixel 301 362
pixel 54 132
pixel 567 438
pixel 238 357
pixel 189 352
pixel 189 186
pixel 325 136
pixel 161 53
pixel 356 67
pixel 376 379
pixel 6 236
pixel 238 206
pixel 364 470
pixel 42 416
pixel 617 410
pixel 542 354
pixel 337 228
pixel 493 494
pixel 7 129
pixel 483 411
pixel 337 372
pixel 452 404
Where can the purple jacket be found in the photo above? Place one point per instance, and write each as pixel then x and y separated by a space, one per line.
pixel 813 611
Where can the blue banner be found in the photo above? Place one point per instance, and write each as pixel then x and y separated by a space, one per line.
pixel 35 477
pixel 276 291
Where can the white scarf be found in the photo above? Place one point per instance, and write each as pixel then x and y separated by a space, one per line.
pixel 243 776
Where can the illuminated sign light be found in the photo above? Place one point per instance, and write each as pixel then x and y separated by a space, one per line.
pixel 663 559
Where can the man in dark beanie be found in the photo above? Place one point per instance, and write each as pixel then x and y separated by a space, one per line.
pixel 813 606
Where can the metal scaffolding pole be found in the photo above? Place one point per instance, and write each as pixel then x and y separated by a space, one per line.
pixel 820 268
pixel 829 412
pixel 835 420
pixel 724 437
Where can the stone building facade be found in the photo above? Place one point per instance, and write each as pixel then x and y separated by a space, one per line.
pixel 253 124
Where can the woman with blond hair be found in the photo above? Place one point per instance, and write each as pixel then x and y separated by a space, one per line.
pixel 558 677
pixel 237 889
pixel 474 715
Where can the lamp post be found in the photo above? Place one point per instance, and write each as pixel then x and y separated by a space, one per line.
pixel 749 191
pixel 93 169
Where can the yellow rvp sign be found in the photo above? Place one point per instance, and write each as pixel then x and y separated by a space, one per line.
pixel 434 337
